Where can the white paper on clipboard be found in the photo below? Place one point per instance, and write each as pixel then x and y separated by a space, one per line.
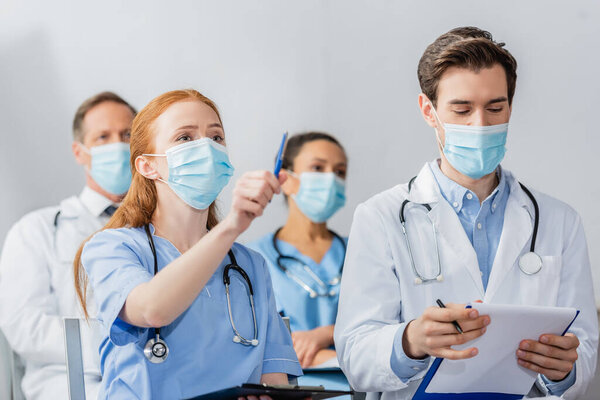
pixel 495 368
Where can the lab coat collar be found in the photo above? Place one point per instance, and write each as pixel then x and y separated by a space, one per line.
pixel 455 193
pixel 94 201
pixel 516 232
pixel 425 189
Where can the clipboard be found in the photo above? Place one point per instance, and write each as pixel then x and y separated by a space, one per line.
pixel 421 393
pixel 281 392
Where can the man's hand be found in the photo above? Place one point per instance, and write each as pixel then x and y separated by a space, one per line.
pixel 552 356
pixel 433 333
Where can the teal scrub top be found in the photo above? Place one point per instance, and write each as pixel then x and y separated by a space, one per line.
pixel 202 355
pixel 293 301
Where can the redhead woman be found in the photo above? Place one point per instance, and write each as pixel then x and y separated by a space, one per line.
pixel 185 310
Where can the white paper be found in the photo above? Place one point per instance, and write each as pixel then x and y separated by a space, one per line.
pixel 495 368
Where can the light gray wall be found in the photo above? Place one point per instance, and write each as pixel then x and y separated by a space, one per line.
pixel 347 67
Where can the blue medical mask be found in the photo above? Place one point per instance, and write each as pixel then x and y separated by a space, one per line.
pixel 110 167
pixel 320 195
pixel 474 151
pixel 198 171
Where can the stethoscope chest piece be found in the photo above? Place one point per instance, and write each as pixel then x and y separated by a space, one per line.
pixel 530 263
pixel 156 350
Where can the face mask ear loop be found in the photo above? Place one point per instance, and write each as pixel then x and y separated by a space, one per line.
pixel 85 149
pixel 88 152
pixel 156 155
pixel 294 175
pixel 439 121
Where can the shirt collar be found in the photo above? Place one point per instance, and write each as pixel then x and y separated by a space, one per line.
pixel 94 201
pixel 455 193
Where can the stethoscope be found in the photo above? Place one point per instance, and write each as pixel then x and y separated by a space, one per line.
pixel 312 293
pixel 156 349
pixel 530 263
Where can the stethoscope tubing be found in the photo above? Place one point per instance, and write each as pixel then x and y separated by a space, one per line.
pixel 150 350
pixel 313 293
pixel 421 279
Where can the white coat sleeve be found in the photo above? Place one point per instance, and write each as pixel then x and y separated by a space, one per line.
pixel 369 312
pixel 28 306
pixel 576 291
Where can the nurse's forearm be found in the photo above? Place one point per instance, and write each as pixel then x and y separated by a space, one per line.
pixel 161 300
pixel 164 298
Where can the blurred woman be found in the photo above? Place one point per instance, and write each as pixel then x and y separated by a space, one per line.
pixel 305 257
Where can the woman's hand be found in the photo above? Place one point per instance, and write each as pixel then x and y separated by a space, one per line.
pixel 270 380
pixel 252 192
pixel 308 343
pixel 433 332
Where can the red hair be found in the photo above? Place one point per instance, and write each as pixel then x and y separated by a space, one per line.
pixel 139 204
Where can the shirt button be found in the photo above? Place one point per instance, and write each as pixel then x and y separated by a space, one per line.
pixel 494 205
pixel 455 204
pixel 481 273
pixel 479 225
pixel 469 196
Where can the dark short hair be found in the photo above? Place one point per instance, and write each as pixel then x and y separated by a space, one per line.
pixel 295 143
pixel 466 47
pixel 90 103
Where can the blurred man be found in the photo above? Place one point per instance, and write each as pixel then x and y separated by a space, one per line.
pixel 36 266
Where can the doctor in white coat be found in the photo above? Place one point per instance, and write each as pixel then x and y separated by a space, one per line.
pixel 36 266
pixel 388 327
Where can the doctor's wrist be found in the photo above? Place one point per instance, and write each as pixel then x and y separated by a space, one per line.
pixel 408 343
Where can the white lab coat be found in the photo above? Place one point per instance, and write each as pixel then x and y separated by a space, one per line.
pixel 379 294
pixel 37 291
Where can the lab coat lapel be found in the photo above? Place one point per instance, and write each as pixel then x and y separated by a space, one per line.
pixel 516 232
pixel 456 250
pixel 75 224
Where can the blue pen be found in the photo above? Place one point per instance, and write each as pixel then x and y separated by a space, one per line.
pixel 279 159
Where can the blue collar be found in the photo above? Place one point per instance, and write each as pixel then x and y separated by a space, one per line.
pixel 455 193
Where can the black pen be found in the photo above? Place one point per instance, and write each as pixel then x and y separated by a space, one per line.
pixel 456 325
